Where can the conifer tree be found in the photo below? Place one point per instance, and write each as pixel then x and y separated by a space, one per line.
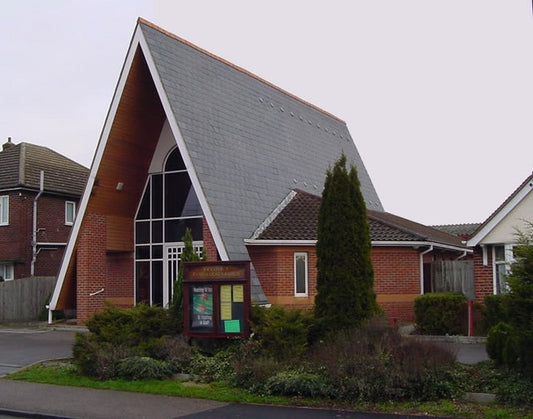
pixel 188 255
pixel 345 294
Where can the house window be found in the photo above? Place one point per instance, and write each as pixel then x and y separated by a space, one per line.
pixel 6 272
pixel 300 274
pixel 503 257
pixel 4 210
pixel 70 212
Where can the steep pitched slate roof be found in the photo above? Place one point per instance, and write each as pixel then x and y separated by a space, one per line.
pixel 298 220
pixel 21 164
pixel 249 142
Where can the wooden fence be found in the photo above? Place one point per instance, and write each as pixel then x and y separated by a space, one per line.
pixel 454 276
pixel 24 299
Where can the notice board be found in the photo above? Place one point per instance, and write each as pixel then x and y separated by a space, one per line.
pixel 216 299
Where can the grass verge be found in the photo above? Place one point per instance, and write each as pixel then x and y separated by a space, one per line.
pixel 63 373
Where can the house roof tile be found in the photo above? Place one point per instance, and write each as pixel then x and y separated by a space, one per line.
pixel 21 164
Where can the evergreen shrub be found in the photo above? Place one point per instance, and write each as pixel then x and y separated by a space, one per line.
pixel 494 310
pixel 143 368
pixel 282 332
pixel 298 383
pixel 441 314
pixel 116 334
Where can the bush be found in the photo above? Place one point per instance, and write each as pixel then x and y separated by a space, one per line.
pixel 98 359
pixel 120 333
pixel 298 383
pixel 373 364
pixel 136 326
pixel 176 351
pixel 282 333
pixel 493 310
pixel 441 314
pixel 218 367
pixel 501 344
pixel 252 368
pixel 142 368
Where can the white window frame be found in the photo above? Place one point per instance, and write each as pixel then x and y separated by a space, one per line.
pixel 4 210
pixel 298 255
pixel 505 264
pixel 67 205
pixel 7 271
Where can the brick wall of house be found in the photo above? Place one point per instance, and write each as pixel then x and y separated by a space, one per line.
pixel 483 275
pixel 16 238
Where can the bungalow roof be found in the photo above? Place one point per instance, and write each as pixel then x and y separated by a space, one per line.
pixel 297 219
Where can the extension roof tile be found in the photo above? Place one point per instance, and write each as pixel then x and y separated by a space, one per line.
pixel 298 220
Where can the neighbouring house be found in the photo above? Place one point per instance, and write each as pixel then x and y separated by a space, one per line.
pixel 494 239
pixel 193 141
pixel 39 193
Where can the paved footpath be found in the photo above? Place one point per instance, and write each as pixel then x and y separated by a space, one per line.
pixel 45 401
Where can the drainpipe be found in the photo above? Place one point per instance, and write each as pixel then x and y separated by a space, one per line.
pixel 34 238
pixel 429 249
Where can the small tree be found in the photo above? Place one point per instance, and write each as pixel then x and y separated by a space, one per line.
pixel 345 282
pixel 510 342
pixel 188 255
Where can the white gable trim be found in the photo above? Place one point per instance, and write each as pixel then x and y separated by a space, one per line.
pixel 513 203
pixel 181 144
pixel 102 142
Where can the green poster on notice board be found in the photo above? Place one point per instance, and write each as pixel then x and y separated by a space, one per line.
pixel 232 326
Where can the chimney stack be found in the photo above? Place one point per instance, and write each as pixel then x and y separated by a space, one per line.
pixel 7 145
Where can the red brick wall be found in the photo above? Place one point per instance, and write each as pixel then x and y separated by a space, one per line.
pixel 210 248
pixel 396 277
pixel 275 269
pixel 16 238
pixel 91 266
pixel 483 275
pixel 396 270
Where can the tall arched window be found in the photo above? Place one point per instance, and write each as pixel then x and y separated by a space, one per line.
pixel 168 207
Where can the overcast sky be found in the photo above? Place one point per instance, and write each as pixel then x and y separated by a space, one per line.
pixel 437 94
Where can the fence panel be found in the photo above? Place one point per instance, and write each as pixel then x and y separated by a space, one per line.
pixel 454 276
pixel 24 299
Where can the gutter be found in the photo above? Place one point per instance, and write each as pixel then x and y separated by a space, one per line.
pixel 34 238
pixel 374 243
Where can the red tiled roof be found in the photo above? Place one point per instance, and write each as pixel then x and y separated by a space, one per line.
pixel 299 221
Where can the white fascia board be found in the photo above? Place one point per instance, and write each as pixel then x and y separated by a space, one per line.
pixel 102 142
pixel 182 147
pixel 415 244
pixel 522 193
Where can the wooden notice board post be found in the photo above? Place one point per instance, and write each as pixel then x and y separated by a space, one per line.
pixel 216 299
